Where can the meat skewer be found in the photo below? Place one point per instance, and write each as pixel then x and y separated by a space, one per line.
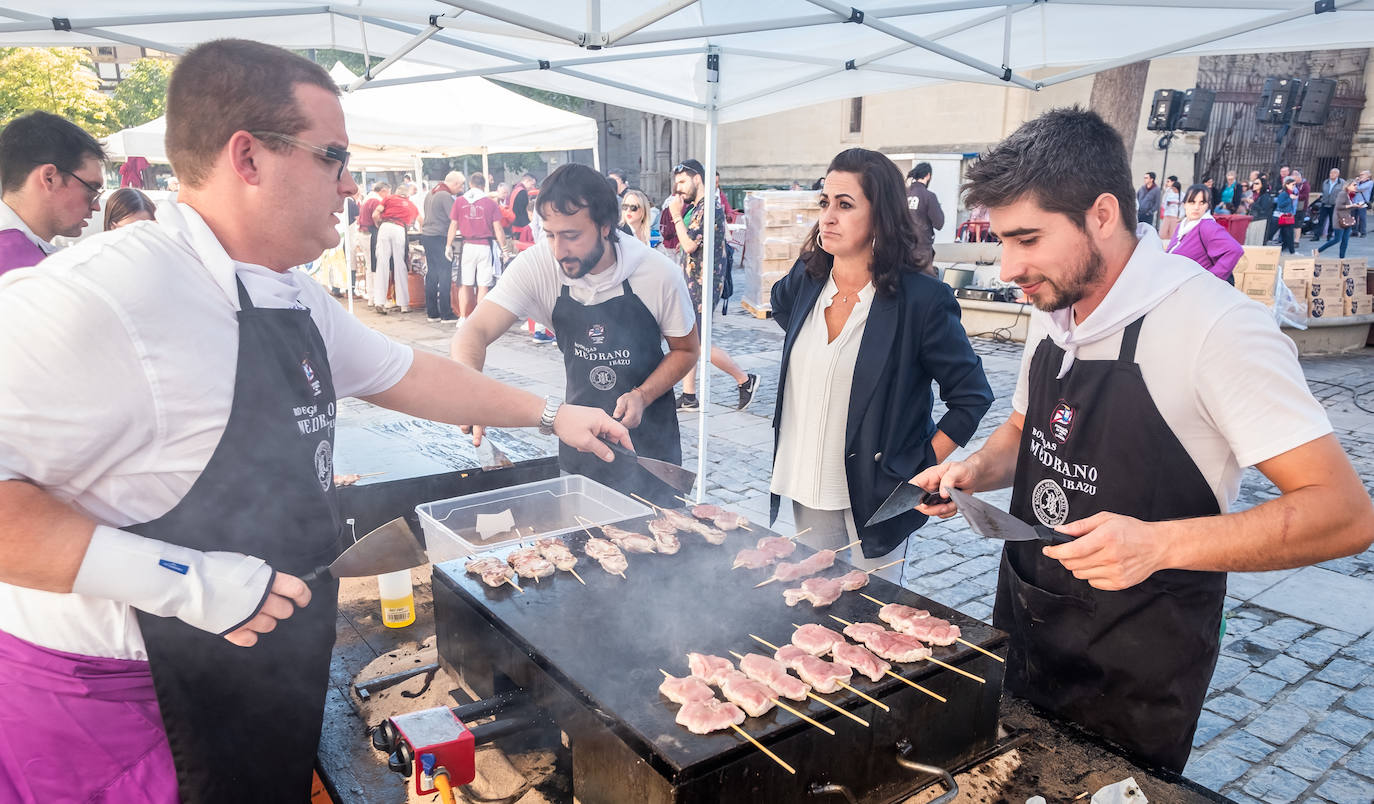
pixel 665 536
pixel 689 524
pixel 935 621
pixel 628 540
pixel 755 698
pixel 779 546
pixel 493 572
pixel 819 592
pixel 607 555
pixel 819 640
pixel 813 696
pixel 351 478
pixel 919 623
pixel 748 684
pixel 708 668
pixel 860 660
pixel 829 673
pixel 706 716
pixel 556 551
pixel 772 673
pixel 893 646
pixel 812 564
pixel 528 563
pixel 749 558
pixel 684 690
pixel 721 518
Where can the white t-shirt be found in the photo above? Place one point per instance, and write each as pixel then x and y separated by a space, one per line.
pixel 117 365
pixel 531 284
pixel 1223 376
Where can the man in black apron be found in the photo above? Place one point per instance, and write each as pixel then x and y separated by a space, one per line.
pixel 237 647
pixel 1119 629
pixel 612 302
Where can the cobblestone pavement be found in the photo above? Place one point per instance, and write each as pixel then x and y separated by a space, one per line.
pixel 1290 713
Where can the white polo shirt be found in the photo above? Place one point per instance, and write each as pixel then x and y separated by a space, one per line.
pixel 117 364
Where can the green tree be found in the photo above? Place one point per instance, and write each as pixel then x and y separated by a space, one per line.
pixel 57 80
pixel 142 95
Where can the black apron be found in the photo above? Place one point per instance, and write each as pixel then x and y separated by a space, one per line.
pixel 1132 666
pixel 608 349
pixel 244 723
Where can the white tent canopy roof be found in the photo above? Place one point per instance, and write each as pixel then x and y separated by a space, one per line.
pixel 388 128
pixel 774 54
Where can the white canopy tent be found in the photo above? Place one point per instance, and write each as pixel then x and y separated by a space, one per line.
pixel 716 61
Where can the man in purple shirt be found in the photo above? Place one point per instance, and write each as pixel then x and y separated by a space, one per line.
pixel 50 183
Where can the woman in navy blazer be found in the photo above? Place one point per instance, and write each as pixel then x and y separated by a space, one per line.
pixel 860 253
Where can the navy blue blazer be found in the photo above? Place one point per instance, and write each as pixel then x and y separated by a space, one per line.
pixel 909 340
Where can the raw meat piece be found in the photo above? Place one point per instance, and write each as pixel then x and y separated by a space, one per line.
pixel 746 693
pixel 816 640
pixel 919 623
pixel 750 558
pixel 890 645
pixel 859 632
pixel 708 668
pixel 704 717
pixel 685 690
pixel 779 546
pixel 707 511
pixel 812 564
pixel 820 592
pixel 687 524
pixel 774 674
pixel 824 677
pixel 861 660
pixel 853 580
pixel 729 520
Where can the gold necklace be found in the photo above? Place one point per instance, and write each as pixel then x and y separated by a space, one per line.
pixel 845 294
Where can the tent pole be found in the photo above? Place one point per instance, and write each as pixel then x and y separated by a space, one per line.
pixel 415 41
pixel 708 265
pixel 486 169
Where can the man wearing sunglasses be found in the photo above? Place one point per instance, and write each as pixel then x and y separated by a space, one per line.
pixel 167 403
pixel 50 177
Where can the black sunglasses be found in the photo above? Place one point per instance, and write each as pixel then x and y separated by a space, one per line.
pixel 630 207
pixel 685 168
pixel 95 191
pixel 331 152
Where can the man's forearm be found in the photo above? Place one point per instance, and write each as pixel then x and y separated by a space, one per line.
pixel 672 368
pixel 448 391
pixel 995 463
pixel 469 349
pixel 43 540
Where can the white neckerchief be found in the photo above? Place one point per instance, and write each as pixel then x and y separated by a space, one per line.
pixel 629 255
pixel 473 194
pixel 1185 226
pixel 1149 277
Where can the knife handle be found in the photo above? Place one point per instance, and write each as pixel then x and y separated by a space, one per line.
pixel 1052 536
pixel 314 574
pixel 620 452
pixel 934 498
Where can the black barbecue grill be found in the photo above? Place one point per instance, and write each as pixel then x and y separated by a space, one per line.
pixel 589 656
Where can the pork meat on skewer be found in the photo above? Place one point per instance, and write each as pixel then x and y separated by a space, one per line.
pixel 665 535
pixel 493 571
pixel 780 546
pixel 749 558
pixel 773 673
pixel 824 677
pixel 816 640
pixel 556 551
pixel 528 563
pixel 889 645
pixel 628 540
pixel 708 668
pixel 729 520
pixel 853 580
pixel 607 555
pixel 919 623
pixel 685 690
pixel 707 511
pixel 819 592
pixel 752 696
pixel 688 524
pixel 812 564
pixel 704 717
pixel 860 659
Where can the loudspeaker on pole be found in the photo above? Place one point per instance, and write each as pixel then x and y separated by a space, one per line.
pixel 1316 102
pixel 1197 109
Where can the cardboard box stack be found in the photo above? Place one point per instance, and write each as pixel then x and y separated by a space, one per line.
pixel 1326 286
pixel 1256 274
pixel 1355 276
pixel 777 224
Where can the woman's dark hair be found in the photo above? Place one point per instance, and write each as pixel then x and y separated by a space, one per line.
pixel 1198 189
pixel 1062 160
pixel 573 187
pixel 123 203
pixel 894 235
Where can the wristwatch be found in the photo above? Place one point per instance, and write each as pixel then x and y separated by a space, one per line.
pixel 551 406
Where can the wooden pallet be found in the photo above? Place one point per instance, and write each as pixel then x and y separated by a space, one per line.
pixel 755 311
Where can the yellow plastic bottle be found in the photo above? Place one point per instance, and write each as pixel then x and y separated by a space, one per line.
pixel 398 599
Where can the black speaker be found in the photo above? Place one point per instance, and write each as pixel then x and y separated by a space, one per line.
pixel 1197 109
pixel 1277 100
pixel 1164 110
pixel 1316 102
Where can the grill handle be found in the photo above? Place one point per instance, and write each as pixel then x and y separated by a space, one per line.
pixel 903 748
pixel 830 789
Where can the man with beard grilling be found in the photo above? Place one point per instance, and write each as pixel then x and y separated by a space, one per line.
pixel 611 300
pixel 1145 388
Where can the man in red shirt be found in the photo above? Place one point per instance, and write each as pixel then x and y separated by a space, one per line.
pixel 392 217
pixel 478 219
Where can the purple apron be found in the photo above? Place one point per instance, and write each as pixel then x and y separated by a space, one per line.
pixel 102 739
pixel 17 251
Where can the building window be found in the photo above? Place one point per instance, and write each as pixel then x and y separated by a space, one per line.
pixel 107 70
pixel 856 115
pixel 105 52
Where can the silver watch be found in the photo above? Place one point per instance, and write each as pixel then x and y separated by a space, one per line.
pixel 551 406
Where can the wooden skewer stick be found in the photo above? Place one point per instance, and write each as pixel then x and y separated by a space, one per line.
pixel 646 502
pixel 760 746
pixel 684 499
pixel 370 474
pixel 936 696
pixel 847 546
pixel 866 697
pixel 960 640
pixel 512 582
pixel 794 536
pixel 800 715
pixel 930 659
pixel 883 567
pixel 765 583
pixel 578 577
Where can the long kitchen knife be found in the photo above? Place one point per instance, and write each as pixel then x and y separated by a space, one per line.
pixel 992 522
pixel 670 473
pixel 390 548
pixel 902 499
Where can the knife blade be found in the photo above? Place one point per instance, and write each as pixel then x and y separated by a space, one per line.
pixel 389 548
pixel 902 499
pixel 679 478
pixel 989 521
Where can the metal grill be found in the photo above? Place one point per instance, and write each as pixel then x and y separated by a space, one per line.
pixel 1235 142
